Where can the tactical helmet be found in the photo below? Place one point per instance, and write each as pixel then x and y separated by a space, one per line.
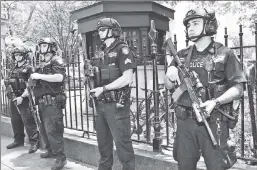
pixel 52 46
pixel 22 50
pixel 111 24
pixel 210 21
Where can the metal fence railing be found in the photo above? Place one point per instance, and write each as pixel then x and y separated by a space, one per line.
pixel 79 116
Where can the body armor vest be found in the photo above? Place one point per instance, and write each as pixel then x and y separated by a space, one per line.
pixel 52 88
pixel 107 64
pixel 217 84
pixel 18 78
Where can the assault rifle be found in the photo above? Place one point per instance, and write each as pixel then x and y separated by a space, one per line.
pixel 11 95
pixel 89 72
pixel 32 103
pixel 193 85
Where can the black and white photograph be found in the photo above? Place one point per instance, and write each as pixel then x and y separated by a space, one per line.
pixel 128 85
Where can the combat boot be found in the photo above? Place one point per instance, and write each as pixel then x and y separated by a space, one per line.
pixel 59 163
pixel 14 145
pixel 47 154
pixel 33 148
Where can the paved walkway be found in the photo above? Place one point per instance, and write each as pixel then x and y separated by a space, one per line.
pixel 19 159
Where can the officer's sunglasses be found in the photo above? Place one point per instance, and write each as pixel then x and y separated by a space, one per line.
pixel 102 29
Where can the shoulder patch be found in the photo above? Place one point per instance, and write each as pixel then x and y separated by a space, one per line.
pixel 125 50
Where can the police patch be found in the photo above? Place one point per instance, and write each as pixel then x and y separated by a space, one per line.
pixel 112 54
pixel 125 50
pixel 127 61
pixel 220 58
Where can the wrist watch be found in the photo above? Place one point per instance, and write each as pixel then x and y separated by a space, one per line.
pixel 217 103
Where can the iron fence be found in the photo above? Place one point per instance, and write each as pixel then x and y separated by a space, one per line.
pixel 79 116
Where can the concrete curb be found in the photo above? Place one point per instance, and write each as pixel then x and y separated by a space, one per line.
pixel 86 151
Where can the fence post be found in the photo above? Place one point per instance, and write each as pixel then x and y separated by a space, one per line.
pixel 226 37
pixel 157 127
pixel 242 98
pixel 145 78
pixel 256 66
pixel 1 76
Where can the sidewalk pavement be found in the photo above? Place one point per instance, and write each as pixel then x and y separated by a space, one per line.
pixel 19 159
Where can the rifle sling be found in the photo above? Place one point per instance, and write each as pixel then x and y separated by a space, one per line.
pixel 189 56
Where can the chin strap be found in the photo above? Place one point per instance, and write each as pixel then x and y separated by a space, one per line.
pixel 198 37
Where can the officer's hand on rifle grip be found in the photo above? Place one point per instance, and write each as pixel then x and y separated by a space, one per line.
pixel 92 94
pixel 97 91
pixel 172 74
pixel 18 100
pixel 209 105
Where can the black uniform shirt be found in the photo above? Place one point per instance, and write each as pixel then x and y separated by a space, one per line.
pixel 227 69
pixel 56 66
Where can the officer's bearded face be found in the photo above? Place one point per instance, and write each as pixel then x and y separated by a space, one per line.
pixel 195 27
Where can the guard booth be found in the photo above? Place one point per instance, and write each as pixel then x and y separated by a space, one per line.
pixel 135 18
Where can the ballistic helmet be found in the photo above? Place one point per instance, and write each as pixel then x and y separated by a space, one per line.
pixel 110 23
pixel 22 50
pixel 47 45
pixel 210 21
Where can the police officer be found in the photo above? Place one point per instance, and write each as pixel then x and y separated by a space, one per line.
pixel 115 66
pixel 223 80
pixel 50 97
pixel 16 85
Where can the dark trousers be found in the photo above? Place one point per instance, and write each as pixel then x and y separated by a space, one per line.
pixel 193 138
pixel 113 124
pixel 26 120
pixel 52 128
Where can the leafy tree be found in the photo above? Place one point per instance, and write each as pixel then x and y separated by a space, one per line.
pixel 245 9
pixel 31 20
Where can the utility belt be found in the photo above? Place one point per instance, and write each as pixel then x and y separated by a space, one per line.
pixel 114 96
pixel 59 99
pixel 184 113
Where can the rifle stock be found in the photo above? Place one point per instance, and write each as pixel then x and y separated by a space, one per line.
pixel 191 82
